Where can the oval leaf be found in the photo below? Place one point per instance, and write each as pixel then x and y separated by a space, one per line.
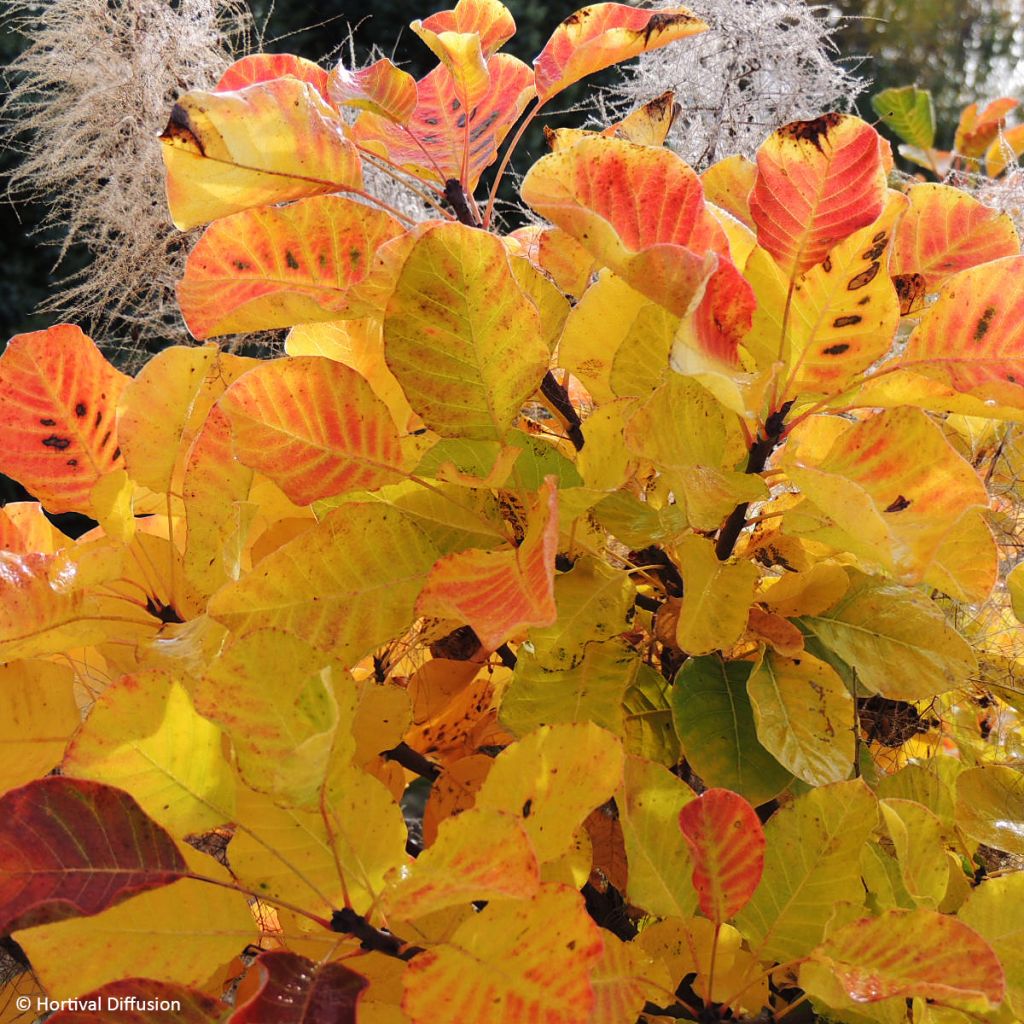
pixel 264 67
pixel 990 806
pixel 70 848
pixel 380 88
pixel 727 842
pixel 488 19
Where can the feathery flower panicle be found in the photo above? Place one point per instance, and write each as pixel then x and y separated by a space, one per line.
pixel 761 64
pixel 85 103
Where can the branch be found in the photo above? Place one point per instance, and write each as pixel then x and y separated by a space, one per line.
pixel 416 762
pixel 378 940
pixel 559 398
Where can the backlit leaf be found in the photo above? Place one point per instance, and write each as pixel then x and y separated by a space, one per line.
pixel 267 143
pixel 805 716
pixel 314 427
pixel 72 848
pixel 461 336
pixel 595 37
pixel 193 1006
pixel 345 586
pixel 990 806
pixel 897 640
pixel 58 434
pixel 500 593
pixel 638 210
pixel 715 725
pixel 810 865
pixel 279 266
pixel 463 56
pixel 916 953
pixel 977 129
pixel 553 778
pixel 262 67
pixel 380 87
pixel 728 184
pixel 817 182
pixel 295 990
pixel 944 231
pixel 516 960
pixel 909 113
pixel 1004 151
pixel 489 19
pixel 727 844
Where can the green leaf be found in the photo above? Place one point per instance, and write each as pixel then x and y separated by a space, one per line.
pixel 649 730
pixel 715 725
pixel 909 113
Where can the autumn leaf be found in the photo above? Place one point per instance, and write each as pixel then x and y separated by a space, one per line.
pixel 263 67
pixel 380 87
pixel 194 1006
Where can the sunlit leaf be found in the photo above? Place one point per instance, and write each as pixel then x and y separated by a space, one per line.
pixel 817 182
pixel 58 434
pixel 990 806
pixel 918 838
pixel 263 67
pixel 727 844
pixel 977 128
pixel 489 19
pixel 595 37
pixel 462 54
pixel 1004 150
pixel 908 112
pixel 380 87
pixel 267 143
pixel 728 184
pixel 72 848
pixel 992 911
pixel 279 266
pixel 189 1005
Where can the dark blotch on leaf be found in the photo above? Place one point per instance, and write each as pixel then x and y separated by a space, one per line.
pixel 810 131
pixel 80 409
pixel 48 422
pixel 526 808
pixel 898 505
pixel 291 260
pixel 60 443
pixel 984 323
pixel 865 277
pixel 836 350
pixel 846 321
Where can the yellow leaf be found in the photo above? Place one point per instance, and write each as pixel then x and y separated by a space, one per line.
pixel 552 779
pixel 716 597
pixel 624 978
pixel 990 806
pixel 515 960
pixel 806 593
pixel 805 717
pixel 38 714
pixel 993 911
pixel 918 835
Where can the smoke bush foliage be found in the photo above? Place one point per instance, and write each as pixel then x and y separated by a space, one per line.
pixel 762 64
pixel 85 103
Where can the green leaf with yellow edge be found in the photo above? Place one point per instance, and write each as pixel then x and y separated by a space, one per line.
pixel 590 689
pixel 945 230
pixel 268 143
pixel 520 959
pixel 553 778
pixel 660 864
pixel 594 600
pixel 180 933
pixel 345 586
pixel 648 730
pixel 817 182
pixel 314 427
pixel 282 734
pixel 715 725
pixel 891 487
pixel 993 911
pixel 144 737
pixel 980 308
pixel 461 335
pixel 59 434
pixel 840 317
pixel 990 806
pixel 38 714
pixel 918 837
pixel 915 953
pixel 640 211
pixel 804 716
pixel 907 111
pixel 811 864
pixel 277 266
pixel 477 855
pixel 896 639
pixel 716 597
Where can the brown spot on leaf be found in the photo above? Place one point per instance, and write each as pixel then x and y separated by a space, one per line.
pixel 909 290
pixel 60 443
pixel 71 462
pixel 864 278
pixel 846 321
pixel 290 259
pixel 984 323
pixel 810 131
pixel 880 237
pixel 99 419
pixel 179 130
pixel 117 454
pixel 836 350
pixel 527 808
pixel 874 252
pixel 898 505
pixel 827 265
pixel 80 409
pixel 48 422
pixel 241 265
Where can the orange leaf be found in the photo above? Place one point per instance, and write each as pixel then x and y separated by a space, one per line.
pixel 639 210
pixel 431 144
pixel 976 131
pixel 380 88
pixel 24 529
pixel 944 231
pixel 596 37
pixel 558 254
pixel 500 593
pixel 280 266
pixel 908 954
pixel 314 427
pixel 59 397
pixel 728 184
pixel 463 56
pixel 817 182
pixel 972 338
pixel 264 67
pixel 454 791
pixel 727 842
pixel 1005 149
pixel 489 19
pixel 270 142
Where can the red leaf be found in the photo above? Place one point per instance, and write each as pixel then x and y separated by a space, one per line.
pixel 297 991
pixel 71 848
pixel 124 1002
pixel 263 67
pixel 727 842
pixel 59 397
